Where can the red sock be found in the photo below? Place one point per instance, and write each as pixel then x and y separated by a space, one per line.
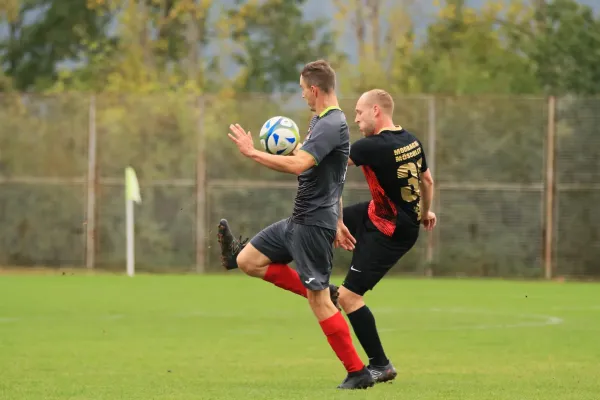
pixel 286 278
pixel 338 335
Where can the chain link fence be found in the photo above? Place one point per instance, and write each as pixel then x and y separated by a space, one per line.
pixel 62 161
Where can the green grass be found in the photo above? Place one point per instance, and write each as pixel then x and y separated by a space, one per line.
pixel 233 337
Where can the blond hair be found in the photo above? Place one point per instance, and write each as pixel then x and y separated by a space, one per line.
pixel 383 99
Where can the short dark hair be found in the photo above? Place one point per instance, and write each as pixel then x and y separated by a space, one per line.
pixel 320 74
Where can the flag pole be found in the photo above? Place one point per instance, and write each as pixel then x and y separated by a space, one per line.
pixel 132 194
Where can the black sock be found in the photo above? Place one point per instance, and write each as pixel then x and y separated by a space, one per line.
pixel 363 323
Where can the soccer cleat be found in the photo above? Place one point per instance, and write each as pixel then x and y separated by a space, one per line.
pixel 358 380
pixel 382 374
pixel 230 246
pixel 335 295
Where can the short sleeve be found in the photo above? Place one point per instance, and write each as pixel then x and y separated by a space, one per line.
pixel 364 152
pixel 323 139
pixel 423 159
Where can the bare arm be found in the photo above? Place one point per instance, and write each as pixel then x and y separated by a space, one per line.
pixel 292 164
pixel 426 186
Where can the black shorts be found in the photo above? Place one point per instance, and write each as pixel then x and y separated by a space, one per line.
pixel 375 253
pixel 311 247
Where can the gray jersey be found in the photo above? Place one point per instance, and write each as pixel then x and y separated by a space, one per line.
pixel 320 187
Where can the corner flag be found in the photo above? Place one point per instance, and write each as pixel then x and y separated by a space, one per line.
pixel 132 194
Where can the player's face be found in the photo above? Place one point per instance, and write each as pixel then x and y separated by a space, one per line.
pixel 365 117
pixel 308 94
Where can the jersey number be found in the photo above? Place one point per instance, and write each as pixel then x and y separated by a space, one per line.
pixel 411 192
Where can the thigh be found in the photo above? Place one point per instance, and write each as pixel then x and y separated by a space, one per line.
pixel 354 217
pixel 375 254
pixel 271 242
pixel 312 250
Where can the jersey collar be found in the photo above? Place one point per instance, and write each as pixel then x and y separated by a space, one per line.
pixel 325 111
pixel 396 128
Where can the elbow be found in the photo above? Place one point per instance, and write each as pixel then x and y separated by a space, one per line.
pixel 297 169
pixel 427 183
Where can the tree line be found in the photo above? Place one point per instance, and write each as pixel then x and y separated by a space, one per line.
pixel 145 46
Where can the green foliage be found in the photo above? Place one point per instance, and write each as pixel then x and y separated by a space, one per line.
pixel 577 231
pixel 35 47
pixel 43 137
pixel 275 42
pixel 465 52
pixel 565 48
pixel 150 73
pixel 157 135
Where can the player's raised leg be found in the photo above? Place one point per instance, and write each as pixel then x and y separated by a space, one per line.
pixel 265 257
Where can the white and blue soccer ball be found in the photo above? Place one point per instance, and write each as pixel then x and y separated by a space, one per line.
pixel 279 135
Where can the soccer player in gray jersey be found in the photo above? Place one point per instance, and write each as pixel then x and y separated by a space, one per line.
pixel 307 237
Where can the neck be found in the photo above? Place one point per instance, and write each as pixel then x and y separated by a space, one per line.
pixel 326 102
pixel 385 124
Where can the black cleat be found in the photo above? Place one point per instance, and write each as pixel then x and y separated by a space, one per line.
pixel 358 380
pixel 383 374
pixel 335 295
pixel 230 246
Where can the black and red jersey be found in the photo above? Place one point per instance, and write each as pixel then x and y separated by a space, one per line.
pixel 392 162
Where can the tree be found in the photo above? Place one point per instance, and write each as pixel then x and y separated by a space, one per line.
pixel 36 46
pixel 467 51
pixel 274 42
pixel 565 47
pixel 374 25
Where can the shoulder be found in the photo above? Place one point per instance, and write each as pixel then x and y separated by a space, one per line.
pixel 333 123
pixel 409 136
pixel 378 141
pixel 369 141
pixel 403 138
pixel 367 144
pixel 333 119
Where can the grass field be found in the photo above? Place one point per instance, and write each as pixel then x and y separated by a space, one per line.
pixel 233 337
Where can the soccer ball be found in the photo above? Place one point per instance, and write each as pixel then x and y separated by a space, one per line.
pixel 279 135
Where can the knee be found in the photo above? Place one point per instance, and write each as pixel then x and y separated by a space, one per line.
pixel 349 301
pixel 318 299
pixel 249 265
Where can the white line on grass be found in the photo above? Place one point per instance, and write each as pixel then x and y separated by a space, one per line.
pixel 531 320
pixel 534 320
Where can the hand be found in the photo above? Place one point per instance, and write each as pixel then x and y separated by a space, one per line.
pixel 242 139
pixel 344 238
pixel 296 149
pixel 429 221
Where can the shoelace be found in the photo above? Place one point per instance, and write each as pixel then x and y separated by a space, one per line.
pixel 238 244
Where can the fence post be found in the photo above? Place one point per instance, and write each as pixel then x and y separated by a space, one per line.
pixel 549 188
pixel 90 243
pixel 200 190
pixel 431 139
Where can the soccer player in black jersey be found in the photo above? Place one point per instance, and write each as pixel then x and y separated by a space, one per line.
pixel 307 237
pixel 382 230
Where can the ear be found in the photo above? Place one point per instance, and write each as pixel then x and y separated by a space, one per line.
pixel 376 110
pixel 314 90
